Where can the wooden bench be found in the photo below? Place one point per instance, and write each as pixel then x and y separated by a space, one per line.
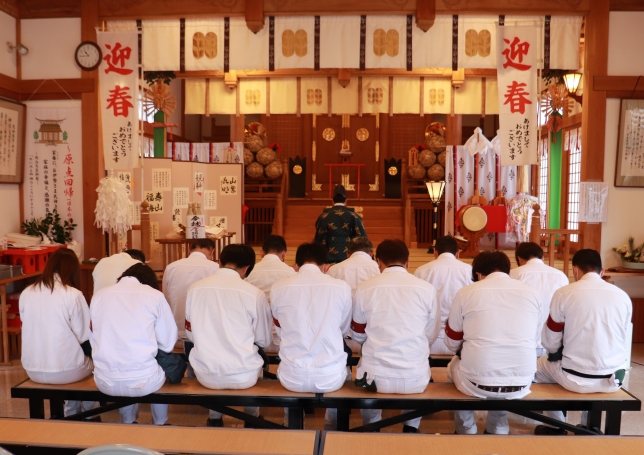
pixel 265 393
pixel 425 444
pixel 45 437
pixel 445 397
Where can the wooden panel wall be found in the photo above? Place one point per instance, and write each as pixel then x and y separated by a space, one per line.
pixel 287 131
pixel 405 131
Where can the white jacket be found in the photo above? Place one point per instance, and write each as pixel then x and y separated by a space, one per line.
pixel 54 324
pixel 267 272
pixel 313 311
pixel 225 317
pixel 130 322
pixel 448 275
pixel 544 279
pixel 109 269
pixel 178 277
pixel 590 317
pixel 354 270
pixel 396 316
pixel 496 321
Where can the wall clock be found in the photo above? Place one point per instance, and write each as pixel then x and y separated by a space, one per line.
pixel 88 55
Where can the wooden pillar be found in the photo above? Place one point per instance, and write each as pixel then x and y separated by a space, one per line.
pixel 593 119
pixel 454 129
pixel 307 143
pixel 93 165
pixel 237 128
pixel 385 150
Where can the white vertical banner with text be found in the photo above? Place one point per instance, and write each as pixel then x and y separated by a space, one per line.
pixel 517 63
pixel 119 92
pixel 53 162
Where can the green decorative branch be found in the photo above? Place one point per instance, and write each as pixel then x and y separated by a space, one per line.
pixel 50 227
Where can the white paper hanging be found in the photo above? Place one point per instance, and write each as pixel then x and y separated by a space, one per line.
pixel 477 41
pixel 433 48
pixel 283 95
pixel 375 95
pixel 385 42
pixel 314 95
pixel 161 45
pixel 345 99
pixel 450 208
pixel 204 44
pixel 565 33
pixel 406 95
pixel 252 96
pixel 195 100
pixel 340 42
pixel 294 40
pixel 468 98
pixel 248 50
pixel 438 95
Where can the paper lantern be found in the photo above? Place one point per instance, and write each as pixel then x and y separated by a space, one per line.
pixel 442 158
pixel 254 170
pixel 274 170
pixel 266 156
pixel 436 172
pixel 248 157
pixel 426 158
pixel 417 172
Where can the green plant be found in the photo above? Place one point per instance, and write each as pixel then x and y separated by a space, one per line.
pixel 551 75
pixel 152 76
pixel 50 227
pixel 630 253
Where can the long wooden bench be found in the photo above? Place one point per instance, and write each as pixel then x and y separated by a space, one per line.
pixel 392 443
pixel 265 393
pixel 46 437
pixel 445 397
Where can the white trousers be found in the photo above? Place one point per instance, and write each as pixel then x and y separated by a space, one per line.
pixel 136 388
pixel 315 384
pixel 233 382
pixel 395 385
pixel 551 372
pixel 497 421
pixel 68 377
pixel 439 348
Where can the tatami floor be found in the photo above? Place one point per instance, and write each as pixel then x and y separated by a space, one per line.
pixel 442 422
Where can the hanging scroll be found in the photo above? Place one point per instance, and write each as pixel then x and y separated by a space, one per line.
pixel 630 145
pixel 119 92
pixel 517 79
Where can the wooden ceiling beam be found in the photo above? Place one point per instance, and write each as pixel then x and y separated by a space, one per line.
pixel 41 9
pixel 425 14
pixel 10 7
pixel 618 83
pixel 254 13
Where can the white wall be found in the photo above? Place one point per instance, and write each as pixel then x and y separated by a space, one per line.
pixel 625 218
pixel 7 34
pixel 10 213
pixel 51 43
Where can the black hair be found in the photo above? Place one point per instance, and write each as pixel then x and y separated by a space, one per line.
pixel 310 252
pixel 339 198
pixel 488 262
pixel 446 244
pixel 360 243
pixel 527 251
pixel 238 255
pixel 392 251
pixel 274 244
pixel 204 244
pixel 587 260
pixel 136 254
pixel 143 273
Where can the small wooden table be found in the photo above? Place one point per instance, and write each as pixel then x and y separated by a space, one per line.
pixel 3 304
pixel 179 248
pixel 331 166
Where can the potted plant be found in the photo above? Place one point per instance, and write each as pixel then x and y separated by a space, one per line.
pixel 632 257
pixel 50 228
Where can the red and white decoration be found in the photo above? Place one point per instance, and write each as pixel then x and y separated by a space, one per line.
pixel 517 62
pixel 119 92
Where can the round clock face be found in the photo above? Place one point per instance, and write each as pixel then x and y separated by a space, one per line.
pixel 88 55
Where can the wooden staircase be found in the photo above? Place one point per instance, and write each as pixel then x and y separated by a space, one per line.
pixel 381 221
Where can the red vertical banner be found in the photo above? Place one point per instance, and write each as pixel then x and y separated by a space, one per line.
pixel 119 92
pixel 517 62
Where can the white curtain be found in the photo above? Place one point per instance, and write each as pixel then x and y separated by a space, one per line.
pixel 340 42
pixel 565 32
pixel 204 44
pixel 433 48
pixel 477 41
pixel 386 42
pixel 161 45
pixel 247 50
pixel 294 41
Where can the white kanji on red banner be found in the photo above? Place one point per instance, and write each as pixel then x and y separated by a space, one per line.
pixel 119 91
pixel 518 101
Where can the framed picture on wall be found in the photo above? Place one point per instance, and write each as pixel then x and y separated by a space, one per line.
pixel 12 141
pixel 629 168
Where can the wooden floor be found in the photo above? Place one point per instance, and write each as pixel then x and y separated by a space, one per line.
pixel 418 257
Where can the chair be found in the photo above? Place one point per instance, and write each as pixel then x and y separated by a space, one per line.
pixel 117 449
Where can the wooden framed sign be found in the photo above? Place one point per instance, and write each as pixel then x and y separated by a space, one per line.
pixel 12 141
pixel 629 167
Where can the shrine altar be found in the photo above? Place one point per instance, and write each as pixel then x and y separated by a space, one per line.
pixel 331 166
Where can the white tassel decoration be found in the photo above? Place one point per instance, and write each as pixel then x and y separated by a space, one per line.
pixel 113 206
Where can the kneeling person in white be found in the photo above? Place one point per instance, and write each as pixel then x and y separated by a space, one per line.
pixel 225 319
pixel 359 266
pixel 55 325
pixel 543 278
pixel 130 322
pixel 588 322
pixel 313 311
pixel 494 324
pixel 396 317
pixel 448 275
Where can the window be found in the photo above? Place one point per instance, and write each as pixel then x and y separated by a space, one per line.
pixel 543 179
pixel 572 143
